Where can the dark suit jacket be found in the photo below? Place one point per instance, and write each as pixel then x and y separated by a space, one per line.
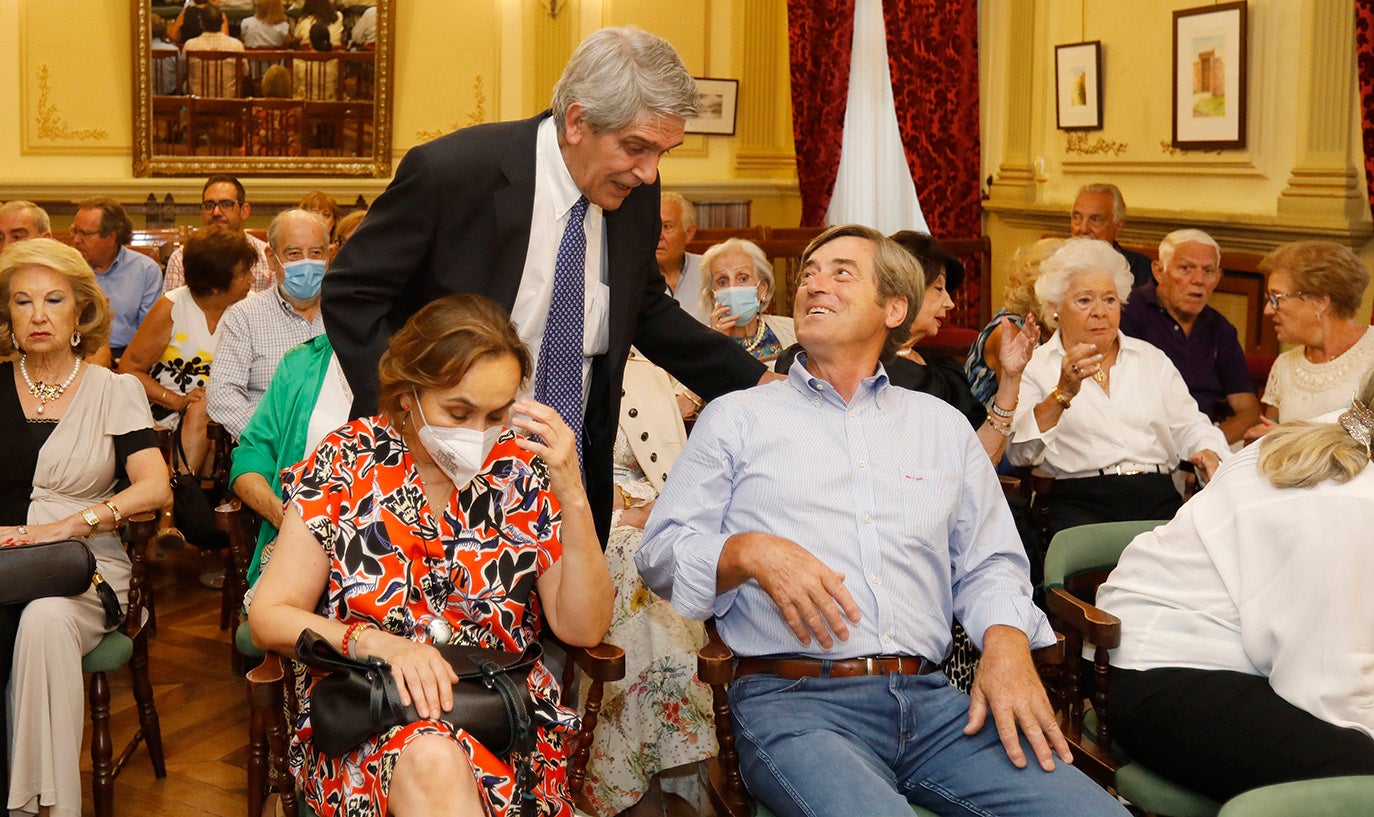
pixel 456 218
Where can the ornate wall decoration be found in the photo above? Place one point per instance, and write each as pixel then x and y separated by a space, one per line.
pixel 51 124
pixel 476 116
pixel 1079 144
pixel 1167 148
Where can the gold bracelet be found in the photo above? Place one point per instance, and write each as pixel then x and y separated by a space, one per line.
pixel 114 509
pixel 1061 398
pixel 1001 412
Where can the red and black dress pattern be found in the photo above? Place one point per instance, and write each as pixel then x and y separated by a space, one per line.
pixel 393 564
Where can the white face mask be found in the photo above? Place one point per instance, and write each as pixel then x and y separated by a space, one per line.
pixel 459 452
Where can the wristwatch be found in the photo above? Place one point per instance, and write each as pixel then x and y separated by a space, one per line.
pixel 91 519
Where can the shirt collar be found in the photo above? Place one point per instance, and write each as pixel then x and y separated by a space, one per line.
pixel 803 381
pixel 561 185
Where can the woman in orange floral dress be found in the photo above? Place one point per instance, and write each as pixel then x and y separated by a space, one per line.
pixel 366 558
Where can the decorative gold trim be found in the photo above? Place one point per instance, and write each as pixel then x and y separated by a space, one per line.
pixel 51 125
pixel 1166 147
pixel 1078 144
pixel 145 163
pixel 476 116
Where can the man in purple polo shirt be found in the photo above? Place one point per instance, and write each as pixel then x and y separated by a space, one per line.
pixel 1171 312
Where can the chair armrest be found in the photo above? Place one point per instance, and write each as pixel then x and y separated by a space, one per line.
pixel 270 671
pixel 604 662
pixel 715 661
pixel 142 526
pixel 1097 626
pixel 1053 655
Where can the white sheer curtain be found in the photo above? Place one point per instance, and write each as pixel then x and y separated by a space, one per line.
pixel 874 185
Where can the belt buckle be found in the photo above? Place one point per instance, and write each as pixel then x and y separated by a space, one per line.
pixel 868 665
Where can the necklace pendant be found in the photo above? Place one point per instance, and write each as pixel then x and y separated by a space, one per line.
pixel 40 408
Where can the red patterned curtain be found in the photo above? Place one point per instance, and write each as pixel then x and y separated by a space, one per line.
pixel 1364 41
pixel 820 33
pixel 932 50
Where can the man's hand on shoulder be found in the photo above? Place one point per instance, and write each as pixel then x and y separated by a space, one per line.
pixel 810 596
pixel 1006 683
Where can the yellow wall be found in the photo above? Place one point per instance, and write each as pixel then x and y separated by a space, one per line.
pixel 67 133
pixel 1299 176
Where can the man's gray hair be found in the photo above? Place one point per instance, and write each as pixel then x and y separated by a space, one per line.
pixel 1118 203
pixel 274 229
pixel 39 216
pixel 618 73
pixel 1081 255
pixel 1178 238
pixel 687 209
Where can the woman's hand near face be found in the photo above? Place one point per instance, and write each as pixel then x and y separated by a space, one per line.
pixel 721 320
pixel 558 448
pixel 1080 362
pixel 424 679
pixel 1016 348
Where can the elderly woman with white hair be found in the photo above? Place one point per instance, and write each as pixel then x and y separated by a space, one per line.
pixel 1108 415
pixel 736 287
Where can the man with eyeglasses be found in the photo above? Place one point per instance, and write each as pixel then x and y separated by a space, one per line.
pixel 1171 312
pixel 131 280
pixel 1100 212
pixel 257 332
pixel 224 202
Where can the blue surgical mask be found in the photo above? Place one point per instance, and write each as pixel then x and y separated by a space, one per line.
pixel 743 302
pixel 303 278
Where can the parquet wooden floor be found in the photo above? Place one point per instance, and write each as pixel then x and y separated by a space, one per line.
pixel 201 704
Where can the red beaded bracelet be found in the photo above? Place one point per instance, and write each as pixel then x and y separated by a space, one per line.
pixel 350 635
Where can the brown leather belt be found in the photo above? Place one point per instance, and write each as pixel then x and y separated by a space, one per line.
pixel 795 668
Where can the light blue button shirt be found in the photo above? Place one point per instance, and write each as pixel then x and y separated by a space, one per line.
pixel 133 283
pixel 893 490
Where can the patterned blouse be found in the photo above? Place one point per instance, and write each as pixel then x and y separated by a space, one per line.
pixel 393 564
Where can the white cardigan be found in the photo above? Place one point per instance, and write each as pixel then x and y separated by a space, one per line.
pixel 1262 580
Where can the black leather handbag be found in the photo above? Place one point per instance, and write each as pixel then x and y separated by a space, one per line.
pixel 359 698
pixel 44 569
pixel 193 510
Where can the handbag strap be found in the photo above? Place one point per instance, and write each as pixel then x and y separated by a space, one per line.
pixel 178 452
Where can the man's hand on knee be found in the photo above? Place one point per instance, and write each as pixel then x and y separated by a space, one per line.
pixel 811 597
pixel 1006 683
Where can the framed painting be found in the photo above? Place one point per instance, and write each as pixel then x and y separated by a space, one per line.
pixel 718 101
pixel 1210 77
pixel 1078 85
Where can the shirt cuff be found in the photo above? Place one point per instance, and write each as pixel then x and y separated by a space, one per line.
pixel 694 589
pixel 1018 612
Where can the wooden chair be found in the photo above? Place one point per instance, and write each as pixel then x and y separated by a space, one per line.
pixel 716 669
pixel 240 524
pixel 338 128
pixel 214 74
pixel 1078 561
pixel 216 127
pixel 273 707
pixel 276 127
pixel 126 645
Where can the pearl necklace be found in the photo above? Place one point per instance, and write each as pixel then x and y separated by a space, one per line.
pixel 753 343
pixel 46 392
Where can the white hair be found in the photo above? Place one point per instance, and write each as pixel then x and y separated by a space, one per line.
pixel 1103 189
pixel 1081 255
pixel 688 210
pixel 1178 238
pixel 618 73
pixel 35 214
pixel 274 229
pixel 762 268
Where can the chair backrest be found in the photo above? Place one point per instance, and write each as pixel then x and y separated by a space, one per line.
pixel 1090 549
pixel 214 73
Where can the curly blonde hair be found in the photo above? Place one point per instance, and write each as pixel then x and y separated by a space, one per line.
pixel 93 315
pixel 1023 270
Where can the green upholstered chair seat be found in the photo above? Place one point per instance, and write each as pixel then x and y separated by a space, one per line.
pixel 1148 790
pixel 1326 797
pixel 243 642
pixel 113 652
pixel 760 810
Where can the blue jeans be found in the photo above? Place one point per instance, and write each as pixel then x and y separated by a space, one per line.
pixel 868 747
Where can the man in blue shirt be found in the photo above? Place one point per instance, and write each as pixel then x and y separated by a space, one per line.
pixel 131 280
pixel 834 525
pixel 1171 312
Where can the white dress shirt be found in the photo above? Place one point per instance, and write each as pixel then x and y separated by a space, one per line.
pixel 1149 418
pixel 555 193
pixel 1261 580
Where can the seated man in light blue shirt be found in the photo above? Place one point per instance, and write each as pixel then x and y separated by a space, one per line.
pixel 131 280
pixel 834 525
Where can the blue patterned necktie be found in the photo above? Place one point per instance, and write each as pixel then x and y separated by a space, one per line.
pixel 558 383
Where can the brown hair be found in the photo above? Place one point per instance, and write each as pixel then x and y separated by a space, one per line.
pixel 440 343
pixel 113 219
pixel 93 313
pixel 1322 268
pixel 213 257
pixel 320 201
pixel 270 11
pixel 898 275
pixel 346 225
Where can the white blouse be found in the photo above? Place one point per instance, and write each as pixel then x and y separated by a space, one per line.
pixel 1148 419
pixel 1301 390
pixel 1262 580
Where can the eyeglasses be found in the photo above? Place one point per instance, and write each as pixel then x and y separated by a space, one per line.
pixel 1274 299
pixel 78 233
pixel 223 204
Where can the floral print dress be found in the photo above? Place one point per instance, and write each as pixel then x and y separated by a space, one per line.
pixel 185 363
pixel 393 564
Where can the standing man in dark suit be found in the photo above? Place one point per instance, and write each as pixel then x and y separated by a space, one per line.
pixel 504 209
